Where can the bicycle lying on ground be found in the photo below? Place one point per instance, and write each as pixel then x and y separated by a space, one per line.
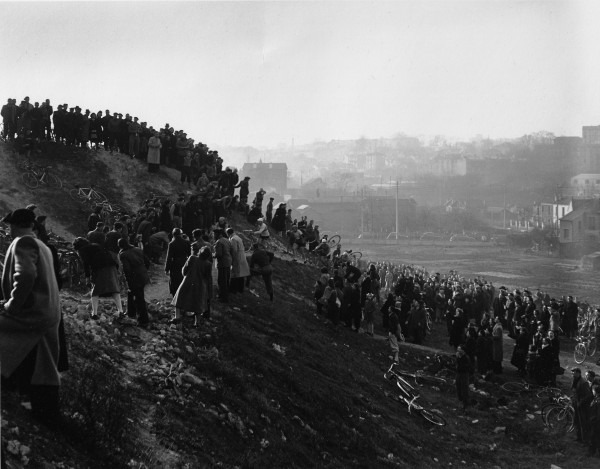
pixel 421 378
pixel 87 195
pixel 409 396
pixel 586 347
pixel 519 387
pixel 34 177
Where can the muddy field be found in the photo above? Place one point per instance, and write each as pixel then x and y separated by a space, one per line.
pixel 512 268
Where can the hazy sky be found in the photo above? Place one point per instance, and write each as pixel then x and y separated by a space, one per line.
pixel 263 73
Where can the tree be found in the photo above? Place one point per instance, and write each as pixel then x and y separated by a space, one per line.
pixel 341 180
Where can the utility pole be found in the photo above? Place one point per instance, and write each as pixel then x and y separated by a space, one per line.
pixel 396 208
pixel 504 211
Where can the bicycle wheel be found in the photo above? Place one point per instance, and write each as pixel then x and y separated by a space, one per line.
pixel 429 379
pixel 334 240
pixel 579 353
pixel 591 349
pixel 548 392
pixel 431 417
pixel 78 195
pixel 559 419
pixel 247 244
pixel 514 387
pixel 30 179
pixel 53 181
pixel 357 255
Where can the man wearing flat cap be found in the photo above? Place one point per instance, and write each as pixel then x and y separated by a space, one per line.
pixel 29 318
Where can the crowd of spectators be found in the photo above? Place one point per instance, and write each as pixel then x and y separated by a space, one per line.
pixel 28 124
pixel 476 316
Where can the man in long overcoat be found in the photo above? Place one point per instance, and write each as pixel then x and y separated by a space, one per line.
pixel 29 318
pixel 177 253
pixel 239 263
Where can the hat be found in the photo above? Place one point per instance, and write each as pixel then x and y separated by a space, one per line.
pixel 21 216
pixel 574 370
pixel 31 207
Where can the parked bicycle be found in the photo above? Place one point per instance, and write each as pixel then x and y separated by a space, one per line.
pixel 34 177
pixel 586 347
pixel 559 415
pixel 409 396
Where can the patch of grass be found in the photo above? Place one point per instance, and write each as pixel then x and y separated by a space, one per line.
pixel 99 407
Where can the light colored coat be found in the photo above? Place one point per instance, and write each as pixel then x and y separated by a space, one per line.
pixel 239 267
pixel 154 147
pixel 32 310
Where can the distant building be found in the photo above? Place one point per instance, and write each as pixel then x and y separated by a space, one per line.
pixel 449 165
pixel 356 160
pixel 269 176
pixel 579 230
pixel 591 134
pixel 586 184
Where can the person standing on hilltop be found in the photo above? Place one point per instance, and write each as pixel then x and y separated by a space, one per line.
pixel 154 146
pixel 29 319
pixel 134 129
pixel 9 119
pixel 47 112
pixel 186 169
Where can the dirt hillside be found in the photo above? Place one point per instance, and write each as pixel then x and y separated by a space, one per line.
pixel 261 385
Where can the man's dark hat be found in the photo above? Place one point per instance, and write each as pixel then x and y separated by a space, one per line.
pixel 21 216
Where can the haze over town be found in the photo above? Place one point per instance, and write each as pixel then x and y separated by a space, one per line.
pixel 266 73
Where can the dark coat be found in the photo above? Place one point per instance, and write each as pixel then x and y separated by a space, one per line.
pixel 223 253
pixel 177 253
pixel 135 266
pixel 192 294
